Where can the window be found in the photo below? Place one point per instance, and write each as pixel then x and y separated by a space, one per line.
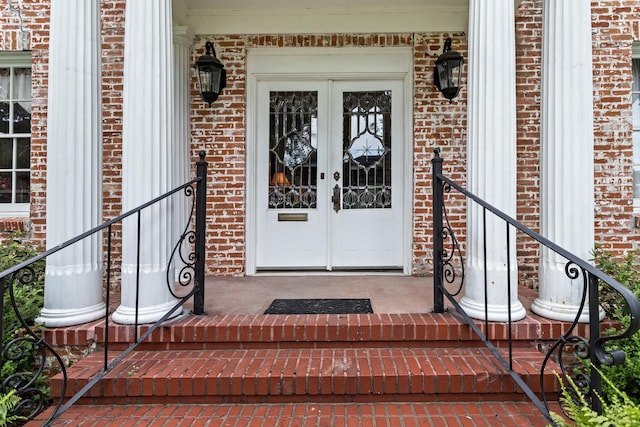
pixel 15 132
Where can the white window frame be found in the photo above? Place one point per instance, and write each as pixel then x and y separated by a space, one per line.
pixel 20 59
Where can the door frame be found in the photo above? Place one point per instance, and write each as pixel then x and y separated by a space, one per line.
pixel 282 64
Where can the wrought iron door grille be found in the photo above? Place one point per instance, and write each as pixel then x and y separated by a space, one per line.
pixel 366 150
pixel 293 146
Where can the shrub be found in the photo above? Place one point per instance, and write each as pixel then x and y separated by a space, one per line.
pixel 29 299
pixel 619 411
pixel 625 270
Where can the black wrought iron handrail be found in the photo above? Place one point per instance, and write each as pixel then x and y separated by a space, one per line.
pixel 191 273
pixel 596 348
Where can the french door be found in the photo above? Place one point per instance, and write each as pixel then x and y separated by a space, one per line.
pixel 329 178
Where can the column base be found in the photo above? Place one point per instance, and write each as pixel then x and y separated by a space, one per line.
pixel 562 312
pixel 495 313
pixel 127 315
pixel 56 318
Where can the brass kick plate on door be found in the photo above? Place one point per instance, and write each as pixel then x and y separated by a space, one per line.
pixel 292 217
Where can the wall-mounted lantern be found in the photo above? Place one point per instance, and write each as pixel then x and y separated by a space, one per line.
pixel 448 71
pixel 212 77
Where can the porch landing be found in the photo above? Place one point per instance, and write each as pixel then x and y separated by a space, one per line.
pixel 238 367
pixel 389 293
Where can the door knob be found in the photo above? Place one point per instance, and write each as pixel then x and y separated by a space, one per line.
pixel 336 176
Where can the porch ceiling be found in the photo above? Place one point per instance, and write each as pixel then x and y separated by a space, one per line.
pixel 320 16
pixel 315 4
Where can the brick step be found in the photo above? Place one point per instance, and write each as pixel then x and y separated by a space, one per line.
pixel 309 331
pixel 301 375
pixel 508 414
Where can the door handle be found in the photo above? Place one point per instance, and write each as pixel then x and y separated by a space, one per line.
pixel 336 198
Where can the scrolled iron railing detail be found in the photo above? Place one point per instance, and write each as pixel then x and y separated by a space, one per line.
pixel 578 358
pixel 28 344
pixel 579 378
pixel 447 263
pixel 185 276
pixel 570 350
pixel 34 401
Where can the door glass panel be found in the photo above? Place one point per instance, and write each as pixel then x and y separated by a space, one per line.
pixel 293 145
pixel 366 182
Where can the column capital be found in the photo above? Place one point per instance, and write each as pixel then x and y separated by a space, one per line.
pixel 183 35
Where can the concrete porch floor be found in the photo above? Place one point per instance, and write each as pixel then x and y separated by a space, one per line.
pixel 253 294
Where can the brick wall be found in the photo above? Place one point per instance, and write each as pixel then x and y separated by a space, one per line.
pixel 528 89
pixel 112 15
pixel 615 26
pixel 220 130
pixel 436 123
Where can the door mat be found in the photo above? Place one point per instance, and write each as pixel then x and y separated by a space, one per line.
pixel 320 306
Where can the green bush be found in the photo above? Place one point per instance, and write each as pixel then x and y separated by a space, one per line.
pixel 29 298
pixel 618 411
pixel 625 270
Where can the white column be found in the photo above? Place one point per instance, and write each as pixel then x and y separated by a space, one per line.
pixel 73 278
pixel 182 41
pixel 491 160
pixel 147 160
pixel 567 201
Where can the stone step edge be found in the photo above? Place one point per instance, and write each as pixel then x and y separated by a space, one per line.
pixel 353 328
pixel 306 372
pixel 370 413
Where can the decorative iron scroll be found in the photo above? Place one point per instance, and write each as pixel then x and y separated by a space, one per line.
pixel 575 355
pixel 27 345
pixel 185 253
pixel 447 260
pixel 578 357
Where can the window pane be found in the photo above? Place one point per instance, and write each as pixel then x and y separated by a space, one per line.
pixel 6 153
pixel 636 182
pixel 24 153
pixel 636 110
pixel 635 99
pixel 15 120
pixel 5 187
pixel 22 117
pixel 22 187
pixel 4 84
pixel 21 84
pixel 4 117
pixel 636 164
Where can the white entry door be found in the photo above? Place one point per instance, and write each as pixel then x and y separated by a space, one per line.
pixel 329 175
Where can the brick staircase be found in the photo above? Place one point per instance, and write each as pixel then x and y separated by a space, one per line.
pixel 375 369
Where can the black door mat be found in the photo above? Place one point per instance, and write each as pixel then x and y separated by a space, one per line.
pixel 320 306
